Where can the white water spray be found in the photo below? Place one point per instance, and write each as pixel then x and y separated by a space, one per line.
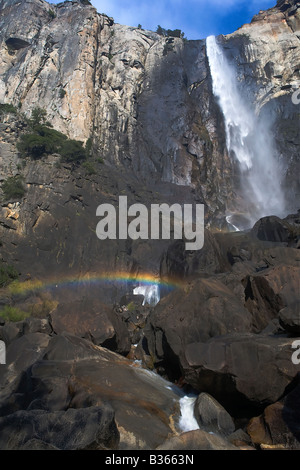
pixel 187 420
pixel 150 292
pixel 248 139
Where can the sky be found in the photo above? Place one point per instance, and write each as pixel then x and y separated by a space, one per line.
pixel 196 18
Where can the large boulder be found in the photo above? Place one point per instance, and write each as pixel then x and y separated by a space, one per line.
pixel 200 310
pixel 72 372
pixel 273 229
pixel 87 318
pixel 279 424
pixel 91 428
pixel 244 372
pixel 212 417
pixel 269 291
pixel 289 318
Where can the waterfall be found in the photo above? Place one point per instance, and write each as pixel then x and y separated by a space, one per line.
pixel 187 420
pixel 150 292
pixel 249 140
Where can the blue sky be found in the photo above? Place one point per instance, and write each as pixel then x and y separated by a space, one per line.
pixel 196 18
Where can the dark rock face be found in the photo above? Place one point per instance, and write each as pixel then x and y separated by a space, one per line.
pixel 203 309
pixel 86 429
pixel 157 135
pixel 242 370
pixel 89 319
pixel 212 417
pixel 197 440
pixel 67 379
pixel 289 319
pixel 278 426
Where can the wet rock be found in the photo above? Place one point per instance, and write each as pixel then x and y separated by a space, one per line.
pixel 73 373
pixel 212 417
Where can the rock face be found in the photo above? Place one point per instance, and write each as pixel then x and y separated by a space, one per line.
pixel 65 380
pixel 145 100
pixel 212 417
pixel 87 429
pixel 144 106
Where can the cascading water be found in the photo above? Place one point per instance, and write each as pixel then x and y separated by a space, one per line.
pixel 249 140
pixel 150 292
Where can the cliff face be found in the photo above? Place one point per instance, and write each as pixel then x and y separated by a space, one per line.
pixel 146 103
pixel 145 100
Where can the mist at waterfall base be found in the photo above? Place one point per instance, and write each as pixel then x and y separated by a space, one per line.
pixel 250 143
pixel 150 292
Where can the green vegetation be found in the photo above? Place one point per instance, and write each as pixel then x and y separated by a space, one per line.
pixel 43 140
pixel 7 108
pixel 38 118
pixel 174 33
pixel 7 274
pixel 72 151
pixel 13 187
pixel 62 93
pixel 131 307
pixel 13 314
pixel 51 14
pixel 89 168
pixel 168 47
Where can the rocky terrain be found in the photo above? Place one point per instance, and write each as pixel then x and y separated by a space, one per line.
pixel 85 358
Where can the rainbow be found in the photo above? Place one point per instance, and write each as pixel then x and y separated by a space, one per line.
pixel 34 285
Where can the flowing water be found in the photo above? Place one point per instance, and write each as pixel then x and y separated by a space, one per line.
pixel 150 292
pixel 249 140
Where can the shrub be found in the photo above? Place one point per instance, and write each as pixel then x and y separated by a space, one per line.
pixel 13 314
pixel 38 117
pixel 72 151
pixel 62 93
pixel 8 108
pixel 51 14
pixel 7 274
pixel 13 187
pixel 43 142
pixel 89 168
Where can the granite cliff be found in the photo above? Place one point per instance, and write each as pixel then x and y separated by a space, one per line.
pixel 151 129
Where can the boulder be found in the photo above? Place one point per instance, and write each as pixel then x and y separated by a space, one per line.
pixel 278 426
pixel 244 372
pixel 269 291
pixel 91 428
pixel 90 319
pixel 273 229
pixel 212 417
pixel 289 318
pixel 72 372
pixel 200 310
pixel 197 440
